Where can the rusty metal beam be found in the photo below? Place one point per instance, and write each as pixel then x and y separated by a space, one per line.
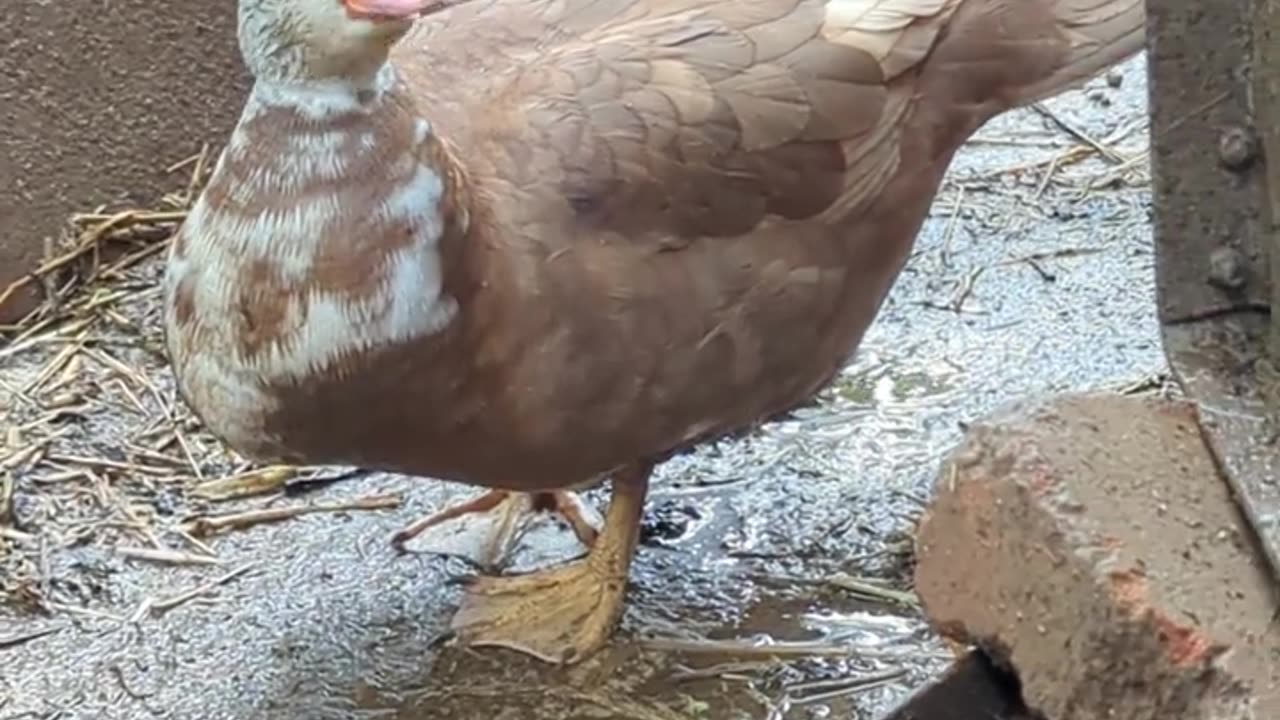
pixel 1266 109
pixel 1213 202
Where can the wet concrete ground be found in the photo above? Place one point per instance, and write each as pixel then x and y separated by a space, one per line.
pixel 750 539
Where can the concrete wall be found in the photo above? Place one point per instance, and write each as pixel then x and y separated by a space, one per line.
pixel 96 98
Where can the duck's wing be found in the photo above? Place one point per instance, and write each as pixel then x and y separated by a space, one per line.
pixel 704 117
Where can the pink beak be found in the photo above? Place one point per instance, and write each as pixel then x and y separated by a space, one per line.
pixel 391 9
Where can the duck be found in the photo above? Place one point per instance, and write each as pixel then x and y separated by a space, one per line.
pixel 533 246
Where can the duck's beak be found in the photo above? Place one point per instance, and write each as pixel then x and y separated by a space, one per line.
pixel 391 9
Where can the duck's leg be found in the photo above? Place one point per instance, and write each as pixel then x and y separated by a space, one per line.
pixel 561 614
pixel 508 512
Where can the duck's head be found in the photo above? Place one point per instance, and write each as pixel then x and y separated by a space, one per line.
pixel 305 40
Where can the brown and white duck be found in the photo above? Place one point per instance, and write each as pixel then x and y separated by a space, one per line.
pixel 533 244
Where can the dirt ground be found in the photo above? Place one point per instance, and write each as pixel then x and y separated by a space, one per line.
pixel 1033 276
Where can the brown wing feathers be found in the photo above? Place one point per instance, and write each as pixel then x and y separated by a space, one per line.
pixel 711 119
pixel 727 102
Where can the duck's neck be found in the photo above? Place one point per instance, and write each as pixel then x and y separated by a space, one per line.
pixel 323 98
pixel 346 144
pixel 332 149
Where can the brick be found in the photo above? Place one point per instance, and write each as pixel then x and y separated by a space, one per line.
pixel 1089 544
pixel 96 99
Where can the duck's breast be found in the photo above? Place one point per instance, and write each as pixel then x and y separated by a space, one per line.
pixel 317 240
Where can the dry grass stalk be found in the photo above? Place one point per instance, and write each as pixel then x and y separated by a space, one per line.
pixel 173 601
pixel 254 482
pixel 206 526
pixel 89 243
pixel 775 650
pixel 173 557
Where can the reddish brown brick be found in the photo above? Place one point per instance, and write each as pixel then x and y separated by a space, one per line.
pixel 1089 543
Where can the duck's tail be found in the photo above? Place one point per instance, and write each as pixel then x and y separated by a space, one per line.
pixel 993 55
pixel 1098 33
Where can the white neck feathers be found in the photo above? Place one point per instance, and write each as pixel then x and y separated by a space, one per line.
pixel 321 99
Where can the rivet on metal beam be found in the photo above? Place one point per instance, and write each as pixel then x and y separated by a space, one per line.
pixel 1238 148
pixel 1227 269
